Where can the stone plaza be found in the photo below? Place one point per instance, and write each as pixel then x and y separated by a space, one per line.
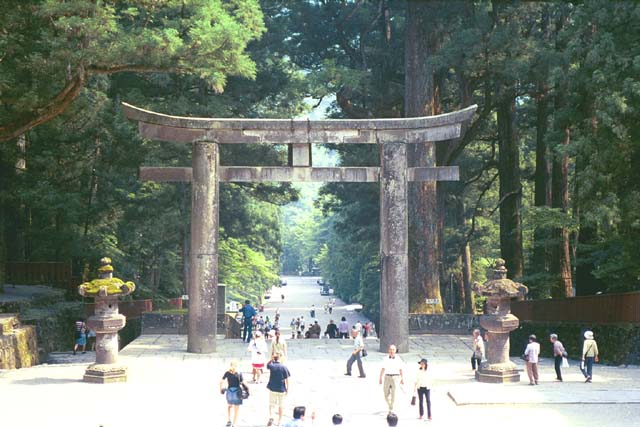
pixel 167 386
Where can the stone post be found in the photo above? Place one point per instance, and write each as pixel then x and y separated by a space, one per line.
pixel 499 322
pixel 394 283
pixel 203 277
pixel 106 321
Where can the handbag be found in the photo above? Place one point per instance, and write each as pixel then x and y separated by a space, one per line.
pixel 245 391
pixel 565 362
pixel 413 401
pixel 364 353
pixel 525 357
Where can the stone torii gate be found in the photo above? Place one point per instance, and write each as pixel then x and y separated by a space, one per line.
pixel 205 134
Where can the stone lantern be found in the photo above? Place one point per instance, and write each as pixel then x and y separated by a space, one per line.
pixel 106 321
pixel 499 321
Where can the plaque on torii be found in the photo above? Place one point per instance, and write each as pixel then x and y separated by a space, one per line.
pixel 393 174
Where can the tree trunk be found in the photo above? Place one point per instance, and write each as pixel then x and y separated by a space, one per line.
pixel 421 98
pixel 542 195
pixel 510 188
pixel 560 261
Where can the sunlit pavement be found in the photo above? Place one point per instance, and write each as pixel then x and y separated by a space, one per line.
pixel 169 387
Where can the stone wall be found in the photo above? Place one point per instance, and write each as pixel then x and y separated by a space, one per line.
pixel 618 344
pixel 177 324
pixel 447 323
pixel 18 343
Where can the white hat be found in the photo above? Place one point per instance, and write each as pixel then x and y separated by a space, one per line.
pixel 588 335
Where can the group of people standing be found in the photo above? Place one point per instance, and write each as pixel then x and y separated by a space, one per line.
pixel 531 356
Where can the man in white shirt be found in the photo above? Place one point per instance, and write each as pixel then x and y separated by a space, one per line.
pixel 356 353
pixel 391 371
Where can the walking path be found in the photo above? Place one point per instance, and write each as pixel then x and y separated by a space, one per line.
pixel 169 387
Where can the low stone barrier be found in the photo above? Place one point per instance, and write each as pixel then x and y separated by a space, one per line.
pixel 18 344
pixel 446 323
pixel 177 324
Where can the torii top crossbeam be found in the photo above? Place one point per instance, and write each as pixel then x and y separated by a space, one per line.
pixel 292 131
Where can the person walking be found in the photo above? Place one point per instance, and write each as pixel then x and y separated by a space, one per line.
pixel 249 314
pixel 356 353
pixel 279 346
pixel 278 387
pixel 391 371
pixel 478 350
pixel 423 388
pixel 258 350
pixel 232 392
pixel 589 355
pixel 343 328
pixel 531 354
pixel 80 336
pixel 558 353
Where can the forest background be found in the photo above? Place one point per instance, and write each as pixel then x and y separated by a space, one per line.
pixel 549 164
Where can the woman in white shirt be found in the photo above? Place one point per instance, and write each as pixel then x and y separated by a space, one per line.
pixel 531 354
pixel 258 349
pixel 423 387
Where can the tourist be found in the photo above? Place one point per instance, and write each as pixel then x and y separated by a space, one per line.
pixel 343 328
pixel 294 327
pixel 233 392
pixel 249 314
pixel 315 330
pixel 391 371
pixel 531 354
pixel 336 419
pixel 279 346
pixel 392 419
pixel 478 350
pixel 299 417
pixel 356 353
pixel 558 354
pixel 258 350
pixel 80 336
pixel 302 326
pixel 423 388
pixel 278 386
pixel 332 330
pixel 91 339
pixel 589 355
pixel 281 297
pixel 312 311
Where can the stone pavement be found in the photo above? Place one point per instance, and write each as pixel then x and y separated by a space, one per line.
pixel 169 387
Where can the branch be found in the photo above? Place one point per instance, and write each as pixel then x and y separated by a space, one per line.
pixel 344 101
pixel 475 209
pixel 41 115
pixel 102 69
pixel 509 194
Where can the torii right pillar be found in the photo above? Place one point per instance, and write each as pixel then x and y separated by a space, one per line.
pixel 394 283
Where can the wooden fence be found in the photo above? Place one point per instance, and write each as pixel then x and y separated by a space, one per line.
pixel 598 309
pixel 56 274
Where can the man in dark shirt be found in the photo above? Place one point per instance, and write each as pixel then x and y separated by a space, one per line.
pixel 278 386
pixel 332 330
pixel 248 312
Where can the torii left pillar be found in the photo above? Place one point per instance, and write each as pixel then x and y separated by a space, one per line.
pixel 203 276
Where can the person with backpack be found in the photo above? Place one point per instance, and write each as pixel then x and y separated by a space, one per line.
pixel 80 336
pixel 233 391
